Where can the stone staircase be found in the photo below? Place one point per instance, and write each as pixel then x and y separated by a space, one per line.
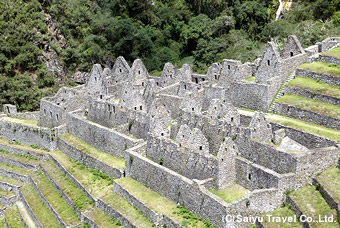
pixel 281 91
pixel 315 100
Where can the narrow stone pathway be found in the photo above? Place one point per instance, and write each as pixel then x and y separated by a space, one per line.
pixel 25 214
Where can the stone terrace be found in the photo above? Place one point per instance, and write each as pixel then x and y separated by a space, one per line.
pixel 180 150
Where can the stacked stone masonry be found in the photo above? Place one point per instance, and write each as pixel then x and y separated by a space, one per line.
pixel 182 136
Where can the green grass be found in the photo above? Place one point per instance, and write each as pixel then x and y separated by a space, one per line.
pixel 13 217
pixel 80 200
pixel 156 73
pixel 23 147
pixel 282 212
pixel 2 222
pixel 321 67
pixel 335 52
pixel 103 220
pixel 250 79
pixel 315 86
pixel 97 185
pixel 66 213
pixel 311 105
pixel 44 215
pixel 100 155
pixel 15 169
pixel 230 194
pixel 330 180
pixel 22 121
pixel 160 204
pixel 18 157
pixel 6 193
pixel 10 181
pixel 129 212
pixel 311 203
pixel 312 128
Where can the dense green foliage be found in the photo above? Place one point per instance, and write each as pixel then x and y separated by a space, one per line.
pixel 23 76
pixel 198 32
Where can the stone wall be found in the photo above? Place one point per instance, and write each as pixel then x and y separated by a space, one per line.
pixel 47 204
pixel 61 192
pixel 172 103
pixel 17 163
pixel 114 214
pixel 329 59
pixel 312 95
pixel 266 155
pixel 306 139
pixel 51 114
pixel 305 115
pixel 105 139
pixel 249 95
pixel 43 137
pixel 315 161
pixel 211 92
pixel 214 132
pixel 334 80
pixel 189 163
pixel 107 114
pixel 111 115
pixel 33 216
pixel 89 222
pixel 88 160
pixel 174 187
pixel 253 176
pixel 193 195
pixel 150 214
pixel 19 177
pixel 23 152
pixel 27 115
pixel 73 179
pixel 53 109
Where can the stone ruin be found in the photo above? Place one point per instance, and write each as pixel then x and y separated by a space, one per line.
pixel 181 133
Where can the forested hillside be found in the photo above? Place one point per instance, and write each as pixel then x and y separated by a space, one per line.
pixel 198 32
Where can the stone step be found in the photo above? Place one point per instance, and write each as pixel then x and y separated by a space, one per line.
pixel 54 198
pixel 25 215
pixel 320 71
pixel 90 156
pixel 38 210
pixel 6 193
pixel 309 202
pixel 120 209
pixel 309 110
pixel 267 220
pixel 158 209
pixel 100 186
pixel 254 176
pixel 13 217
pixel 18 148
pixel 68 187
pixel 22 161
pixel 314 89
pixel 10 181
pixel 328 184
pixel 102 220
